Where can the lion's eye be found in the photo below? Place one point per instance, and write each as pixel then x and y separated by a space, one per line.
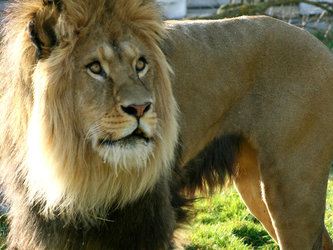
pixel 96 68
pixel 140 64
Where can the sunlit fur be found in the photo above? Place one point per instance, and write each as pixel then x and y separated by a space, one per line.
pixel 47 154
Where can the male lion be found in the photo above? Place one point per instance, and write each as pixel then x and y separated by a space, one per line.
pixel 95 153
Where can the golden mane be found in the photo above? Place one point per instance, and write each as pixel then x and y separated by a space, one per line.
pixel 39 130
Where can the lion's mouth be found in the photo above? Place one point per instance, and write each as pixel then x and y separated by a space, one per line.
pixel 137 135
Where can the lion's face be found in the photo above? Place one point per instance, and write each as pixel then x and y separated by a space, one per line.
pixel 114 100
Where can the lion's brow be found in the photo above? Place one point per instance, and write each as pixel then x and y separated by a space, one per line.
pixel 106 52
pixel 128 49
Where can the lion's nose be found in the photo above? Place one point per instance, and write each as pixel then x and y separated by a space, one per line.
pixel 137 110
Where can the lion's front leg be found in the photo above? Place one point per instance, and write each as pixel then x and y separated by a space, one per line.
pixel 247 182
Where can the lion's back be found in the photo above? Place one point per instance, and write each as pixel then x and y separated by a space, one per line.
pixel 252 75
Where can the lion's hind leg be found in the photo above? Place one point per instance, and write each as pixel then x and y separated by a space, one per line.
pixel 294 188
pixel 247 181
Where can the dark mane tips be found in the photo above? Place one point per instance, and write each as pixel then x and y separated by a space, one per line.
pixel 57 3
pixel 35 39
pixel 213 165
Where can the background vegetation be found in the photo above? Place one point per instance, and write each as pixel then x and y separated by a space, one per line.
pixel 254 7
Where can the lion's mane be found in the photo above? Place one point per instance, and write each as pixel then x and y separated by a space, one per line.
pixel 44 158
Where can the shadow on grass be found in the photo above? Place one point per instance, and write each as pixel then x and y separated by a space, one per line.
pixel 252 237
pixel 195 247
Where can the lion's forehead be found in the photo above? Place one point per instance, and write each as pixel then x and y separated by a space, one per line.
pixel 115 53
pixel 110 51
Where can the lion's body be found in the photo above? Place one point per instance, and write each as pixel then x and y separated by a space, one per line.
pixel 271 84
pixel 89 123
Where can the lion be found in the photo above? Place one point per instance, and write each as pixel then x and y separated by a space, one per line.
pixel 112 120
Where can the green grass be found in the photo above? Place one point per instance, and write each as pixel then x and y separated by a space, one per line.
pixel 329 207
pixel 224 222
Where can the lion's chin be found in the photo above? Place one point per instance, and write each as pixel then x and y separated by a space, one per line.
pixel 131 152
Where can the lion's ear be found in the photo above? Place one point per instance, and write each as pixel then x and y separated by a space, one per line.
pixel 41 29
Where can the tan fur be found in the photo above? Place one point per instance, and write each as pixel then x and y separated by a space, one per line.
pixel 272 83
pixel 54 118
